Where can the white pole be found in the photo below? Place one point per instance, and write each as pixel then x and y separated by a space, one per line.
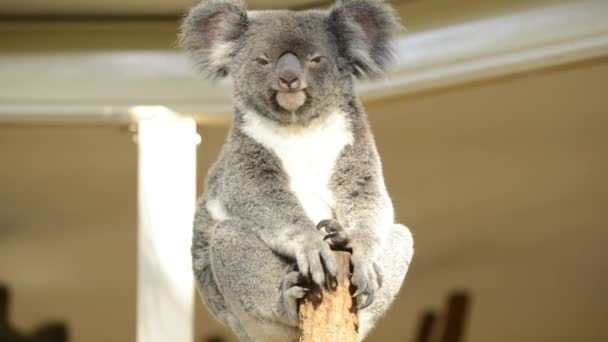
pixel 166 195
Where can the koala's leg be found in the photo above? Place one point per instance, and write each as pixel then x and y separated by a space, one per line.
pixel 201 264
pixel 254 281
pixel 394 260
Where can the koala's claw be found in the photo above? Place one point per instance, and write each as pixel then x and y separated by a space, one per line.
pixel 368 301
pixel 370 293
pixel 360 290
pixel 334 233
pixel 292 290
pixel 367 278
pixel 297 292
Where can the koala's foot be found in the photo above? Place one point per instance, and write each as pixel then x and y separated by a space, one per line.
pixel 335 234
pixel 366 275
pixel 293 288
pixel 367 278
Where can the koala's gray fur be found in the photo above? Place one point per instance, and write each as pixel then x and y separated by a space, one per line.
pixel 256 247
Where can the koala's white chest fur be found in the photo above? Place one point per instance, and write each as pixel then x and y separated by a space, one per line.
pixel 308 156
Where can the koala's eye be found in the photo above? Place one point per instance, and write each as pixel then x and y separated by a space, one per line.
pixel 315 60
pixel 262 61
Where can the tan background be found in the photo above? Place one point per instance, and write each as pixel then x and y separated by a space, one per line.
pixel 502 183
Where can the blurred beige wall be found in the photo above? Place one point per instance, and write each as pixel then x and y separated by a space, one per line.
pixel 502 182
pixel 68 228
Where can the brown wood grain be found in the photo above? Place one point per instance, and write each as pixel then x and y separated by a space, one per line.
pixel 330 315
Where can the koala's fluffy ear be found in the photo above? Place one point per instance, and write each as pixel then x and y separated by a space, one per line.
pixel 210 32
pixel 363 29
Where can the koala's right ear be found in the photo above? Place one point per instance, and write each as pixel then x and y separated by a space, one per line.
pixel 364 28
pixel 210 31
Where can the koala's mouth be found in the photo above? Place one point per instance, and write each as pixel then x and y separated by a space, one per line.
pixel 291 100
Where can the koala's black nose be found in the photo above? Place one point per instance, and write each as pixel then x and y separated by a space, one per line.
pixel 289 82
pixel 289 72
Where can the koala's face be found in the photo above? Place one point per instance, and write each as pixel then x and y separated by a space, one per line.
pixel 288 66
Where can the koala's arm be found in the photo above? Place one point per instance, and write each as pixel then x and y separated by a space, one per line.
pixel 363 208
pixel 256 190
pixel 362 203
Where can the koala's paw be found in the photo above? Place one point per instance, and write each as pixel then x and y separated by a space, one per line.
pixel 334 233
pixel 292 289
pixel 367 279
pixel 314 258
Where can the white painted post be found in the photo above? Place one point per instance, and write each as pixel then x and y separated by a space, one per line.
pixel 166 195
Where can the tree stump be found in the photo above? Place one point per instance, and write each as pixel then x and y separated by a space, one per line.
pixel 330 316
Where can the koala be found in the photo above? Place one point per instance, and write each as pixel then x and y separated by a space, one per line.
pixel 299 173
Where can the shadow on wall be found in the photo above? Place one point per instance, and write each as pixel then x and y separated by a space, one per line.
pixel 47 332
pixel 448 326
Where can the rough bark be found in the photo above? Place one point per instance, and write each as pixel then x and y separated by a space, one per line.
pixel 330 315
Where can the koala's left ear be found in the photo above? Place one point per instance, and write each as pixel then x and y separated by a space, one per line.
pixel 363 29
pixel 210 33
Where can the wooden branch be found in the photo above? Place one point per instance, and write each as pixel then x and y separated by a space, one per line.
pixel 330 315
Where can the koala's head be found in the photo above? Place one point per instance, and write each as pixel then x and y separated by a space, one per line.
pixel 290 66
